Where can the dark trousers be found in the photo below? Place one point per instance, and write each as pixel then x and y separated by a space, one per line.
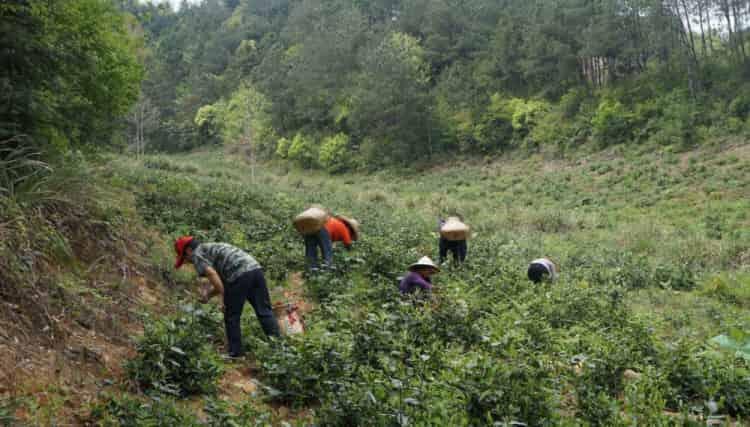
pixel 320 239
pixel 250 286
pixel 456 247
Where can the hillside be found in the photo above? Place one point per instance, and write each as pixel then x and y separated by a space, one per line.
pixel 653 249
pixel 608 135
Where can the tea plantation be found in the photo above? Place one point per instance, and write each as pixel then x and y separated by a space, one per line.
pixel 654 253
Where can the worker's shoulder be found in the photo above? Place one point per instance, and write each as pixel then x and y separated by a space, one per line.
pixel 216 248
pixel 334 220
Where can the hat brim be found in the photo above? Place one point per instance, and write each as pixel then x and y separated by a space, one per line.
pixel 353 229
pixel 418 266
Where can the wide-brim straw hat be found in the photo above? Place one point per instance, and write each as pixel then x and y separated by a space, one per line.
pixel 353 225
pixel 424 262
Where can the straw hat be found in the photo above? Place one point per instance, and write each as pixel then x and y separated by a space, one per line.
pixel 321 207
pixel 424 262
pixel 353 225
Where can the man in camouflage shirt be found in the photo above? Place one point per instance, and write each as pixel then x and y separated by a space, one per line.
pixel 237 277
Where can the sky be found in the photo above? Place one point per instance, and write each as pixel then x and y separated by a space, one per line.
pixel 176 3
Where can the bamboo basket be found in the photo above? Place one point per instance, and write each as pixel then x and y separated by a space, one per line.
pixel 310 221
pixel 454 230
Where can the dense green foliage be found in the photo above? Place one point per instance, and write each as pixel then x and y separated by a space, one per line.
pixel 175 355
pixel 488 347
pixel 129 411
pixel 652 246
pixel 397 77
pixel 69 71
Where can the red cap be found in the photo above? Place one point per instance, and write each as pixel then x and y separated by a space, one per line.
pixel 179 246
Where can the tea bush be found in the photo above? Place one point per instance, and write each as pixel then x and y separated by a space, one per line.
pixel 486 346
pixel 508 391
pixel 301 371
pixel 129 411
pixel 220 413
pixel 175 355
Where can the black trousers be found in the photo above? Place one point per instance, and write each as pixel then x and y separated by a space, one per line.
pixel 251 287
pixel 537 272
pixel 456 247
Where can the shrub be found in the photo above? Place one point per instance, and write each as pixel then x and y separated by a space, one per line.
pixel 526 115
pixel 495 128
pixel 699 375
pixel 220 414
pixel 676 125
pixel 299 371
pixel 739 107
pixel 677 277
pixel 175 355
pixel 644 399
pixel 334 153
pixel 128 411
pixel 611 123
pixel 551 128
pixel 734 289
pixel 570 103
pixel 282 148
pixel 303 150
pixel 510 391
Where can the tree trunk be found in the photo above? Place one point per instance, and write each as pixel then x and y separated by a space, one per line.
pixel 710 28
pixel 704 49
pixel 738 31
pixel 725 10
pixel 691 39
pixel 248 137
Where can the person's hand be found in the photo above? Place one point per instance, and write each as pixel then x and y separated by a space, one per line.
pixel 203 299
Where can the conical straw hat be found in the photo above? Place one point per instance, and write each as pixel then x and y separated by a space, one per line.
pixel 353 225
pixel 424 262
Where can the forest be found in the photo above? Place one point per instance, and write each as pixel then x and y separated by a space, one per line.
pixel 360 84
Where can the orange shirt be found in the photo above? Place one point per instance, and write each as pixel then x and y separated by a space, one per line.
pixel 338 231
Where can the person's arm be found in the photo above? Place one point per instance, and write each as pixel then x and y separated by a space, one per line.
pixel 217 287
pixel 422 282
pixel 347 237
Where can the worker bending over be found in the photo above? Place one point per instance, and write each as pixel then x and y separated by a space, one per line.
pixel 419 277
pixel 236 277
